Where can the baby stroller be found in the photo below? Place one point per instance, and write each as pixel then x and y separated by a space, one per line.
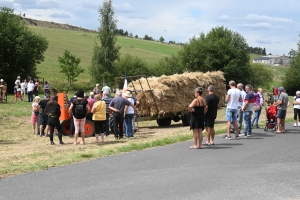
pixel 271 118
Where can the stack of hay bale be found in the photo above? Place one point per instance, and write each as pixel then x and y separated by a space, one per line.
pixel 173 94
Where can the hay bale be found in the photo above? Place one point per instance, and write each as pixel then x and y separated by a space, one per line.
pixel 173 94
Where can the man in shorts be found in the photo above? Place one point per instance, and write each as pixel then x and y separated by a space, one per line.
pixel 282 105
pixel 233 98
pixel 211 109
pixel 43 118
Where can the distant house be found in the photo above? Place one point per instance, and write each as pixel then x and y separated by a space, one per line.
pixel 274 60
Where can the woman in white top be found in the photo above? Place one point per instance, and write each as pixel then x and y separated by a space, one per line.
pixel 35 114
pixel 297 109
pixel 128 115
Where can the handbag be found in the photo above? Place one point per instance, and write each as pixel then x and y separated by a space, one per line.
pixel 256 108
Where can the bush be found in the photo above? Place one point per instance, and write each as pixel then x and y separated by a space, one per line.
pixel 260 76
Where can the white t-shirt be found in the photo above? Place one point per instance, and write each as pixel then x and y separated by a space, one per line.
pixel 243 94
pixel 18 82
pixel 297 99
pixel 130 108
pixel 234 96
pixel 106 89
pixel 30 87
pixel 23 86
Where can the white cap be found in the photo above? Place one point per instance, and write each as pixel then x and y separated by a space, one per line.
pixel 91 93
pixel 18 77
pixel 97 84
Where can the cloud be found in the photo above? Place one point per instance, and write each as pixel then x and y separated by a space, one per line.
pixel 264 41
pixel 259 26
pixel 225 18
pixel 137 17
pixel 34 4
pixel 88 5
pixel 6 4
pixel 60 15
pixel 264 18
pixel 124 8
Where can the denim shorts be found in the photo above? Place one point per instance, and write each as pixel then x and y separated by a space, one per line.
pixel 231 114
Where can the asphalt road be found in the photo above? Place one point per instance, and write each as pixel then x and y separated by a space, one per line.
pixel 265 166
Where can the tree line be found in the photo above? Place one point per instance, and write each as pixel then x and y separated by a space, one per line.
pixel 257 50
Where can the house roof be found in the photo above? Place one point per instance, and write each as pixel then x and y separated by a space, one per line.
pixel 263 58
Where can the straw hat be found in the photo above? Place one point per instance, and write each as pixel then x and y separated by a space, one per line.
pixel 128 94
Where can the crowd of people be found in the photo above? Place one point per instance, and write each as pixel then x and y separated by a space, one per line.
pixel 241 105
pixel 244 105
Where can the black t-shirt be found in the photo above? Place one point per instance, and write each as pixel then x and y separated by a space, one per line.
pixel 84 102
pixel 43 104
pixel 212 102
pixel 53 110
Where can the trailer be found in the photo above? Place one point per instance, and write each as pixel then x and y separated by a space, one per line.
pixel 66 119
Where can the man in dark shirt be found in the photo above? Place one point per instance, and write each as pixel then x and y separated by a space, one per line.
pixel 211 110
pixel 118 105
pixel 43 118
pixel 107 101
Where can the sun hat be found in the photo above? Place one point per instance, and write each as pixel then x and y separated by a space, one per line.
pixel 18 77
pixel 128 94
pixel 298 92
pixel 1 80
pixel 91 93
pixel 97 84
pixel 37 97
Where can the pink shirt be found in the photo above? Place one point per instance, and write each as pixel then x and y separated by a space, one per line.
pixel 91 102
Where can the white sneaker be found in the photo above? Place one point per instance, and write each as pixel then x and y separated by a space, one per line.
pixel 242 135
pixel 295 124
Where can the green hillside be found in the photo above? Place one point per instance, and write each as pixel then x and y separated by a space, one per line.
pixel 81 44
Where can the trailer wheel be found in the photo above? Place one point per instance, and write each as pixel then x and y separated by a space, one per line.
pixel 66 127
pixel 89 128
pixel 186 119
pixel 176 118
pixel 164 122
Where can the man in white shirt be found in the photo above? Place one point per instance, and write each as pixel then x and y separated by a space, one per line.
pixel 240 113
pixel 23 88
pixel 233 98
pixel 30 88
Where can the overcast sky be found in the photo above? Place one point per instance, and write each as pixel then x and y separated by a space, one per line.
pixel 273 25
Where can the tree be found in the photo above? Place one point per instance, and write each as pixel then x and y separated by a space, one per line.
pixel 136 36
pixel 133 65
pixel 221 49
pixel 69 65
pixel 130 35
pixel 106 53
pixel 292 76
pixel 126 33
pixel 20 49
pixel 146 37
pixel 168 66
pixel 161 39
pixel 261 76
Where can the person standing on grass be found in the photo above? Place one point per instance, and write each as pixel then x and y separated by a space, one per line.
pixel 211 109
pixel 128 115
pixel 136 104
pixel 106 89
pixel 46 89
pixel 96 89
pixel 233 98
pixel 36 87
pixel 259 100
pixel 297 109
pixel 30 88
pixel 99 117
pixel 43 118
pixel 107 101
pixel 197 118
pixel 72 126
pixel 18 93
pixel 117 105
pixel 23 88
pixel 79 109
pixel 53 111
pixel 34 120
pixel 18 81
pixel 247 108
pixel 282 105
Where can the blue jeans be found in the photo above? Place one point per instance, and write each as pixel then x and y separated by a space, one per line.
pixel 256 116
pixel 30 96
pixel 128 125
pixel 247 122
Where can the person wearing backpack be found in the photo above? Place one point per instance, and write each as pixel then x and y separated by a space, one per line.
pixel 79 109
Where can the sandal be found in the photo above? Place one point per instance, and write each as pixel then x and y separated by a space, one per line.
pixel 193 147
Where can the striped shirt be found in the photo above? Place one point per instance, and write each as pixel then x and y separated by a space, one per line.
pixel 251 101
pixel 107 101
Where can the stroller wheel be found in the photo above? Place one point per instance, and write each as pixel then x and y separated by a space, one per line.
pixel 266 128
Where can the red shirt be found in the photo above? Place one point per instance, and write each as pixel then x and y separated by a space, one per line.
pixel 275 91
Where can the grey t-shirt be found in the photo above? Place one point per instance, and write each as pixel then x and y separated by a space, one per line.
pixel 285 100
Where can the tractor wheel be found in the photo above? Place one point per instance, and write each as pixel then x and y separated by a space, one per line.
pixel 164 122
pixel 186 119
pixel 66 127
pixel 89 128
pixel 176 118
